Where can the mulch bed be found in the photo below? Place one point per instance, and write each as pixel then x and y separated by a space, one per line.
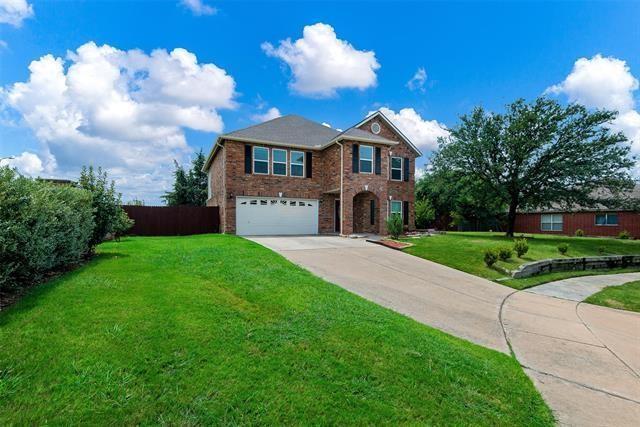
pixel 393 244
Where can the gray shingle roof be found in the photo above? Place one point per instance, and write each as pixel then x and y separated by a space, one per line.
pixel 628 201
pixel 298 131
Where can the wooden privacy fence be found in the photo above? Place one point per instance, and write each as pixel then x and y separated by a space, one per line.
pixel 173 220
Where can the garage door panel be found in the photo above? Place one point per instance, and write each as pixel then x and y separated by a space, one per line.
pixel 265 216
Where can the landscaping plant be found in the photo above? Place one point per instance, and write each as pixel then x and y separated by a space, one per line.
pixel 394 226
pixel 424 213
pixel 521 247
pixel 579 233
pixel 624 235
pixel 505 253
pixel 563 248
pixel 490 257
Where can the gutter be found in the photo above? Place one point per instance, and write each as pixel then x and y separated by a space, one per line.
pixel 341 179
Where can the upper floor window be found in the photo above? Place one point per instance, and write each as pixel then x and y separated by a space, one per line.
pixel 366 159
pixel 297 163
pixel 260 160
pixel 279 162
pixel 551 222
pixel 607 219
pixel 396 168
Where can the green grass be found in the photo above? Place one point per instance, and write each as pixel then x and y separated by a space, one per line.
pixel 215 329
pixel 623 297
pixel 465 250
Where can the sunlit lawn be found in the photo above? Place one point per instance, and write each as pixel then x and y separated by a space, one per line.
pixel 623 297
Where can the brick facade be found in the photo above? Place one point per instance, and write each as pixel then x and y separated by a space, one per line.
pixel 585 221
pixel 228 180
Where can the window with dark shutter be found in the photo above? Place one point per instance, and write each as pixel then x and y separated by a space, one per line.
pixel 355 164
pixel 405 213
pixel 247 159
pixel 406 169
pixel 309 163
pixel 378 161
pixel 372 212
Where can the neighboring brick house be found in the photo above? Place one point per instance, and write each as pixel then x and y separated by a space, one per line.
pixel 291 175
pixel 598 221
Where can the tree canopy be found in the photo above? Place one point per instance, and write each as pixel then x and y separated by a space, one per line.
pixel 536 155
pixel 189 187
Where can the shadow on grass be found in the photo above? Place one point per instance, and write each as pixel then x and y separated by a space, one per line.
pixel 27 297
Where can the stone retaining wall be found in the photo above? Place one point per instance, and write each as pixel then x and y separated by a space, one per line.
pixel 569 264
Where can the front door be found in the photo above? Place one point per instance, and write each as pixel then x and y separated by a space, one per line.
pixel 336 216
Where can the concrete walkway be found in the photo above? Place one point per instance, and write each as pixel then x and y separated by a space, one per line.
pixel 584 359
pixel 579 288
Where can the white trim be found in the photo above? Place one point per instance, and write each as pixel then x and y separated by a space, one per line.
pixel 209 192
pixel 373 131
pixel 285 163
pixel 253 160
pixel 373 155
pixel 391 202
pixel 390 123
pixel 552 222
pixel 391 168
pixel 291 164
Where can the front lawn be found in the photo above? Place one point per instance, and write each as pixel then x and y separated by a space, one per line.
pixel 216 329
pixel 465 250
pixel 623 297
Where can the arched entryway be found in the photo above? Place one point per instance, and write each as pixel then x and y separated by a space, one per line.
pixel 366 208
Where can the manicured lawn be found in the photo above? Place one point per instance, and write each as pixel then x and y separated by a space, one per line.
pixel 623 297
pixel 465 251
pixel 215 329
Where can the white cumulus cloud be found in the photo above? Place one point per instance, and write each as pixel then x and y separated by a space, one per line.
pixel 605 82
pixel 423 133
pixel 123 110
pixel 270 114
pixel 199 7
pixel 321 63
pixel 418 80
pixel 26 163
pixel 13 12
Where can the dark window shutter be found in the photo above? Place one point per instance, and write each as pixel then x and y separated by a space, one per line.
pixel 372 211
pixel 308 160
pixel 378 161
pixel 406 169
pixel 405 213
pixel 247 158
pixel 356 158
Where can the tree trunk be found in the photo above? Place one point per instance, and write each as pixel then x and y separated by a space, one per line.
pixel 511 218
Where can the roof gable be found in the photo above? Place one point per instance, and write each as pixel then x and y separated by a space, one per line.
pixel 379 115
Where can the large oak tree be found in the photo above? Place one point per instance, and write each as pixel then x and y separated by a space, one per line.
pixel 538 155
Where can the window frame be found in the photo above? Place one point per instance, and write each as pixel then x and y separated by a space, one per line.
pixel 391 168
pixel 285 163
pixel 391 213
pixel 291 164
pixel 254 160
pixel 360 159
pixel 552 222
pixel 606 219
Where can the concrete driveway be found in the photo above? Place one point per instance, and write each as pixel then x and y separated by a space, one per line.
pixel 584 359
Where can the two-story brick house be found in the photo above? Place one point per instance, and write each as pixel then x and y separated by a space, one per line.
pixel 291 175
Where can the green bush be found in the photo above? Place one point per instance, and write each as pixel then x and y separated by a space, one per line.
pixel 425 213
pixel 563 248
pixel 490 257
pixel 601 250
pixel 122 224
pixel 394 226
pixel 624 235
pixel 579 233
pixel 504 253
pixel 520 247
pixel 43 227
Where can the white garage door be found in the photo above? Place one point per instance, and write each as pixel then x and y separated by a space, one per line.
pixel 269 216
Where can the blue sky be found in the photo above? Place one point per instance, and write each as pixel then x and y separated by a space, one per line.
pixel 472 54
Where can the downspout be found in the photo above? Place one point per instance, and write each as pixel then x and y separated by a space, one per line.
pixel 341 174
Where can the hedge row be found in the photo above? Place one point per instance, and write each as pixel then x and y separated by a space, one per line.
pixel 43 227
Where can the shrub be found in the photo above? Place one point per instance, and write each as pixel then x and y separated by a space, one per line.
pixel 122 224
pixel 563 248
pixel 521 247
pixel 601 250
pixel 505 253
pixel 394 226
pixel 579 233
pixel 43 227
pixel 624 235
pixel 425 213
pixel 490 257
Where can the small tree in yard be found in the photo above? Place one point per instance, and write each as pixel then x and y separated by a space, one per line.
pixel 394 225
pixel 521 247
pixel 189 187
pixel 537 155
pixel 424 213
